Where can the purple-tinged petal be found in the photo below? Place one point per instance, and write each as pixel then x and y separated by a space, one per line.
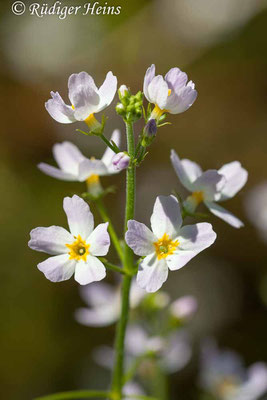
pixel 176 79
pixel 166 217
pixel 225 215
pixel 158 92
pixel 236 177
pixel 150 74
pixel 152 273
pixel 58 110
pixel 210 183
pixel 107 91
pixel 58 268
pixel 80 218
pixel 139 238
pixel 88 271
pixel 184 175
pixel 56 173
pixel 51 240
pixel 99 240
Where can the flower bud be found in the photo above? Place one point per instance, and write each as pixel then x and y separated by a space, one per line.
pixel 151 128
pixel 123 90
pixel 121 161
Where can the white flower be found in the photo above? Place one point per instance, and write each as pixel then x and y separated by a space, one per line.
pixel 184 307
pixel 86 99
pixel 104 302
pixel 169 94
pixel 74 166
pixel 210 186
pixel 73 252
pixel 223 375
pixel 256 208
pixel 168 245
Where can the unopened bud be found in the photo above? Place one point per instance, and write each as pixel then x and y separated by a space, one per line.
pixel 121 161
pixel 151 128
pixel 123 90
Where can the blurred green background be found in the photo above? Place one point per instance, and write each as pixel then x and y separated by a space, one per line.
pixel 221 44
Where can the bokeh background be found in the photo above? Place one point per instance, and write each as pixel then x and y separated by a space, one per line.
pixel 221 44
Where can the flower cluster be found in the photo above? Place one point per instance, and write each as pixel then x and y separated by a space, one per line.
pixel 168 244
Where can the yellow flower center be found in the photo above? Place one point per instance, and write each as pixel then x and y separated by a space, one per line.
pixel 198 197
pixel 165 246
pixel 79 249
pixel 227 386
pixel 157 112
pixel 92 180
pixel 91 121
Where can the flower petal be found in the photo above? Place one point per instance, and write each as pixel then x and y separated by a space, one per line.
pixel 150 73
pixel 103 316
pixel 152 273
pixel 256 384
pixel 184 175
pixel 166 217
pixel 80 218
pixel 176 79
pixel 58 110
pixel 97 294
pixel 90 271
pixel 236 177
pixel 210 183
pixel 58 268
pixel 158 91
pixel 225 215
pixel 51 240
pixel 109 154
pixel 68 157
pixel 192 240
pixel 107 91
pixel 99 240
pixel 88 168
pixel 83 95
pixel 180 101
pixel 140 238
pixel 56 173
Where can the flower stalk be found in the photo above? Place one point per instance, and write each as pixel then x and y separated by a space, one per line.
pixel 117 380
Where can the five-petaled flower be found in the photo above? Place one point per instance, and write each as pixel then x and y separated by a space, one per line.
pixel 168 245
pixel 74 166
pixel 73 252
pixel 86 100
pixel 171 94
pixel 210 186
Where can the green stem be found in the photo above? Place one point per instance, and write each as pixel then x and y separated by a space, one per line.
pixel 107 142
pixel 117 379
pixel 77 394
pixel 115 240
pixel 112 266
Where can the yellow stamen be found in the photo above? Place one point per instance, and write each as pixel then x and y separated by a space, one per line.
pixel 227 386
pixel 157 112
pixel 198 197
pixel 169 92
pixel 72 106
pixel 165 246
pixel 79 249
pixel 93 179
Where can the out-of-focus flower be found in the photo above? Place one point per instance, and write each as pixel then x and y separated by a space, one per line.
pixel 74 166
pixel 86 100
pixel 168 245
pixel 132 389
pixel 183 308
pixel 225 377
pixel 104 303
pixel 171 352
pixel 120 161
pixel 171 94
pixel 210 186
pixel 75 252
pixel 256 208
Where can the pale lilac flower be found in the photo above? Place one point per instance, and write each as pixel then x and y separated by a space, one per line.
pixel 173 351
pixel 256 208
pixel 85 98
pixel 168 245
pixel 73 252
pixel 211 186
pixel 171 94
pixel 131 389
pixel 120 161
pixel 183 308
pixel 224 376
pixel 104 303
pixel 74 166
